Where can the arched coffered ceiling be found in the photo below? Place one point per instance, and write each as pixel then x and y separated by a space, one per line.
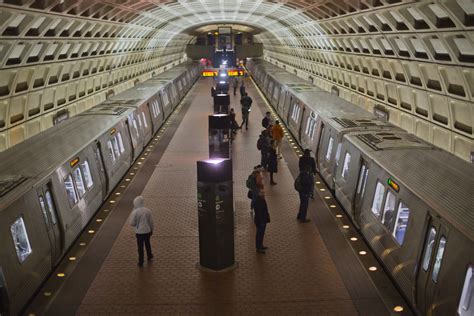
pixel 412 58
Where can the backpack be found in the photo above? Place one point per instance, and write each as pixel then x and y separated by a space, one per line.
pixel 251 182
pixel 297 183
pixel 265 122
pixel 260 144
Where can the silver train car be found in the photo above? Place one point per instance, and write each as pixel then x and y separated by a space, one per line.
pixel 52 184
pixel 412 202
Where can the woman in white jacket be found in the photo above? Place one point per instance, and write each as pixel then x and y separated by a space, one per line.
pixel 142 220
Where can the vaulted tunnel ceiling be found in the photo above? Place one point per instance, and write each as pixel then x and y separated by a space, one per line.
pixel 413 58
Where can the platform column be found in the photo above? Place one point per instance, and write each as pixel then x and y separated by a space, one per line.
pixel 219 136
pixel 215 212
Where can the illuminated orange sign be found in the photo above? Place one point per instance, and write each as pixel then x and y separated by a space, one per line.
pixel 209 73
pixel 74 162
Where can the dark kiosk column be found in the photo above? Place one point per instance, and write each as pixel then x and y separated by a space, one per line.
pixel 219 136
pixel 215 211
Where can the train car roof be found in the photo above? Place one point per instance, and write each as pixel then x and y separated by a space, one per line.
pixel 442 180
pixel 43 153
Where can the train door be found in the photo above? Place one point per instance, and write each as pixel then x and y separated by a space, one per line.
pixel 360 188
pixel 436 239
pixel 99 161
pixel 319 144
pixel 48 208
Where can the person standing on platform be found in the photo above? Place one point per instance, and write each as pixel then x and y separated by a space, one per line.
pixel 272 162
pixel 277 134
pixel 242 89
pixel 308 162
pixel 235 84
pixel 246 103
pixel 233 123
pixel 261 219
pixel 213 91
pixel 267 120
pixel 142 220
pixel 263 144
pixel 304 185
pixel 255 184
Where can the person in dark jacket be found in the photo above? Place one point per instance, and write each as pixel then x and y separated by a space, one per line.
pixel 272 162
pixel 246 103
pixel 264 141
pixel 306 187
pixel 261 219
pixel 267 120
pixel 242 89
pixel 213 91
pixel 306 161
pixel 233 123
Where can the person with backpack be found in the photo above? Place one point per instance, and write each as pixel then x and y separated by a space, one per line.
pixel 304 186
pixel 142 220
pixel 263 144
pixel 272 162
pixel 261 219
pixel 246 103
pixel 255 184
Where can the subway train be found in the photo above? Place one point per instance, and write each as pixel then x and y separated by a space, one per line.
pixel 412 202
pixel 52 184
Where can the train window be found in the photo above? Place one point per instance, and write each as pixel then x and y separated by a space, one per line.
pixel 111 150
pixel 20 239
pixel 338 152
pixel 430 241
pixel 378 199
pixel 115 146
pixel 87 174
pixel 276 92
pixel 438 259
pixel 466 304
pixel 401 222
pixel 51 208
pixel 71 191
pixel 135 127
pixel 79 182
pixel 157 107
pixel 308 123
pixel 329 150
pixel 120 142
pixel 364 172
pixel 43 209
pixel 389 210
pixel 345 168
pixel 144 120
pixel 165 98
pixel 139 120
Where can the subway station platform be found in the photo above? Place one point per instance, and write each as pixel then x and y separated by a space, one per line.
pixel 317 268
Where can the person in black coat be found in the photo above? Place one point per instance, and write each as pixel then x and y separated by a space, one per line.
pixel 306 161
pixel 261 219
pixel 242 89
pixel 272 162
pixel 306 187
pixel 213 91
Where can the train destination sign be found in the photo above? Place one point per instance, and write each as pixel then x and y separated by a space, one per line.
pixel 230 72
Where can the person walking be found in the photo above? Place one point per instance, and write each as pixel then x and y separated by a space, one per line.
pixel 263 144
pixel 267 120
pixel 261 219
pixel 272 162
pixel 308 162
pixel 242 89
pixel 246 103
pixel 277 134
pixel 304 185
pixel 142 220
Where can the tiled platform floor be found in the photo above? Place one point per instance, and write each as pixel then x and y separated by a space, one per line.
pixel 295 276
